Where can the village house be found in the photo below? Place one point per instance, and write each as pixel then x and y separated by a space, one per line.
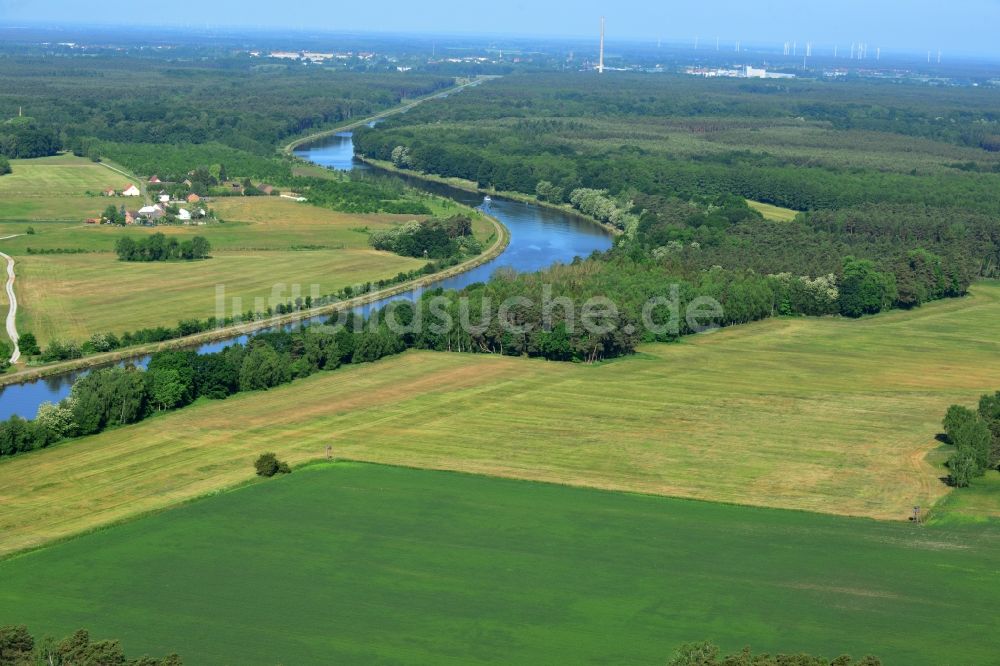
pixel 131 191
pixel 193 198
pixel 155 180
pixel 110 192
pixel 164 198
pixel 151 212
pixel 130 216
pixel 266 189
pixel 184 215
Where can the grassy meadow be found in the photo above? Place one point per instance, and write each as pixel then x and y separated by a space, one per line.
pixel 771 212
pixel 353 563
pixel 265 245
pixel 826 415
pixel 55 189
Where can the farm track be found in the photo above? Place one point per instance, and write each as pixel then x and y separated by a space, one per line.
pixel 12 311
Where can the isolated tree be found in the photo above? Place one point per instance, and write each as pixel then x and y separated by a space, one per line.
pixel 268 465
pixel 29 345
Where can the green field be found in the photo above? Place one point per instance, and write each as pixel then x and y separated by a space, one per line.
pixel 266 246
pixel 826 415
pixel 55 188
pixel 350 563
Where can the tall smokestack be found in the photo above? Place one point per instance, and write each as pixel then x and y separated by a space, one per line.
pixel 600 62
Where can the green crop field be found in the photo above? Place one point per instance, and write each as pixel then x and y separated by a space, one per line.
pixel 266 246
pixel 826 415
pixel 351 563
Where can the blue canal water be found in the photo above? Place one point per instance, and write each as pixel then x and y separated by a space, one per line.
pixel 539 237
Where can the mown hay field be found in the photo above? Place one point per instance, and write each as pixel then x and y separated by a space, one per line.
pixel 824 415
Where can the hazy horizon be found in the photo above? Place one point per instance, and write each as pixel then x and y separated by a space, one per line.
pixel 894 25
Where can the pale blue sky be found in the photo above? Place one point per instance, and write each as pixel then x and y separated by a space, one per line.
pixel 968 26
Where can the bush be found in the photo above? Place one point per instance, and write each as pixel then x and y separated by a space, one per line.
pixel 707 654
pixel 268 465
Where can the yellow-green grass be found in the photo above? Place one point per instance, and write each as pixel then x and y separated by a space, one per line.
pixel 771 212
pixel 257 254
pixel 823 415
pixel 70 297
pixel 979 503
pixel 55 188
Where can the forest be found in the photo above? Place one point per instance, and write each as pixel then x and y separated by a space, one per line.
pixel 801 145
pixel 156 115
pixel 894 185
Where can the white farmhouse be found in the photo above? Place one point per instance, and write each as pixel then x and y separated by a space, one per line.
pixel 131 191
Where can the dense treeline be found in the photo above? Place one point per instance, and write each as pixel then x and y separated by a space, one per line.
pixel 513 163
pixel 574 131
pixel 175 162
pixel 707 654
pixel 434 238
pixel 116 396
pixel 22 137
pixel 975 434
pixel 157 247
pixel 923 254
pixel 19 648
pixel 359 193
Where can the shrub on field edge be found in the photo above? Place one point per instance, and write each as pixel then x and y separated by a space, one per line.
pixel 268 465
